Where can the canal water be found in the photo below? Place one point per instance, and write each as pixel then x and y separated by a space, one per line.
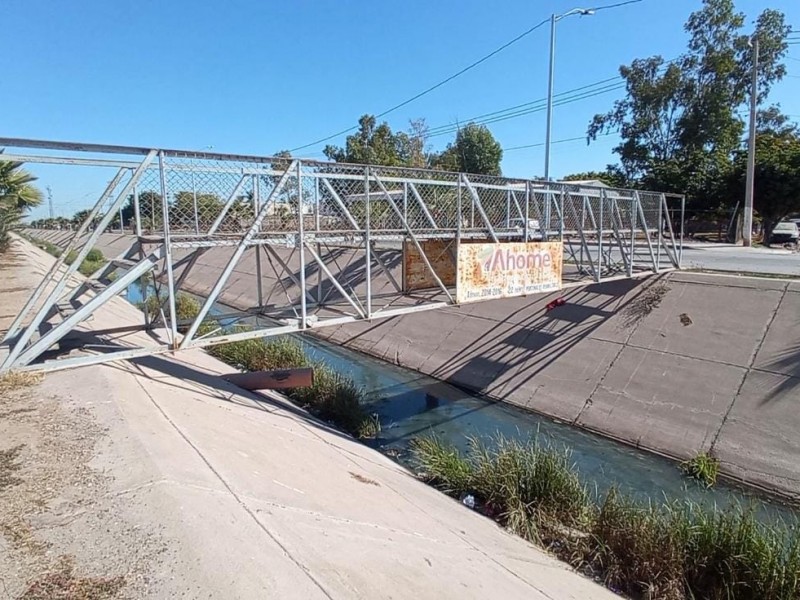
pixel 410 404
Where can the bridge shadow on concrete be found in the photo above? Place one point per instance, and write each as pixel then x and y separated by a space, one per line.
pixel 788 364
pixel 539 339
pixel 177 374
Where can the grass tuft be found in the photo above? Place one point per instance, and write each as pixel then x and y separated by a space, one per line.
pixel 702 467
pixel 675 551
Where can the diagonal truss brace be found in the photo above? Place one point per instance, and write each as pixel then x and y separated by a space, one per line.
pixel 240 248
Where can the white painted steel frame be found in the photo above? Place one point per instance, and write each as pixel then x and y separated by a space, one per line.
pixel 602 250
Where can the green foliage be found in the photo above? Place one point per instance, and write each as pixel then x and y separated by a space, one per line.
pixel 186 309
pixel 373 144
pixel 678 122
pixel 17 197
pixel 474 151
pixel 610 177
pixel 332 397
pixel 95 255
pixel 443 465
pixel 93 261
pixel 703 467
pixel 675 551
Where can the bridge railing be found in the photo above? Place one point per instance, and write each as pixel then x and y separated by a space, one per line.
pixel 341 239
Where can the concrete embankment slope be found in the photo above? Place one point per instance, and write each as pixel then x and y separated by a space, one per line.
pixel 677 364
pixel 251 498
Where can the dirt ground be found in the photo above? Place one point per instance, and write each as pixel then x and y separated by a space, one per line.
pixel 63 533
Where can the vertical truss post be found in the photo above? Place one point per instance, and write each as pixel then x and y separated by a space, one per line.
pixel 259 275
pixel 527 211
pixel 683 225
pixel 194 205
pixel 173 318
pixel 548 198
pixel 317 221
pixel 405 200
pixel 660 230
pixel 459 224
pixel 137 213
pixel 616 222
pixel 632 217
pixel 600 234
pixel 302 238
pixel 368 244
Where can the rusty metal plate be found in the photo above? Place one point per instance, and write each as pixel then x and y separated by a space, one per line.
pixel 440 253
pixel 273 380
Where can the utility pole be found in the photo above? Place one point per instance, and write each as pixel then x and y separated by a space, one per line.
pixel 747 233
pixel 549 127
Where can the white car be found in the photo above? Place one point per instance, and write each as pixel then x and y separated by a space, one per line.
pixel 785 232
pixel 534 229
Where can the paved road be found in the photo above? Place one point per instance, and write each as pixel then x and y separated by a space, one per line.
pixel 772 261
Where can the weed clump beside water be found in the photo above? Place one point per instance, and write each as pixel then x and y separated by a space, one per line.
pixel 332 397
pixel 702 467
pixel 93 261
pixel 677 551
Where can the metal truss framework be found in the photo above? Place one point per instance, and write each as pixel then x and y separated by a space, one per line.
pixel 299 220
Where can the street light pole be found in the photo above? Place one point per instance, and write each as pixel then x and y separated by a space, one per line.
pixel 747 225
pixel 550 98
pixel 553 20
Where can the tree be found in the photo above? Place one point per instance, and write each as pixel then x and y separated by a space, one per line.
pixel 192 207
pixel 372 144
pixel 17 197
pixel 610 177
pixel 474 151
pixel 678 122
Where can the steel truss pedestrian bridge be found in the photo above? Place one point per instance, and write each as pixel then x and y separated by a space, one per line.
pixel 304 244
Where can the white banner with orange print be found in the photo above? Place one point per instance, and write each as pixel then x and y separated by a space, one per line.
pixel 487 271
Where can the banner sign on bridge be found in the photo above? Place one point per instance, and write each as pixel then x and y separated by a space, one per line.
pixel 502 270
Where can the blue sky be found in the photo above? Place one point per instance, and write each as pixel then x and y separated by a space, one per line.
pixel 256 77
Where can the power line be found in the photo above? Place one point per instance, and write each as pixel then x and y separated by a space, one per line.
pixel 537 105
pixel 457 74
pixel 564 141
pixel 521 113
pixel 433 87
pixel 531 103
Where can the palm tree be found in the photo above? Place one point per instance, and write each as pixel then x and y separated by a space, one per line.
pixel 17 196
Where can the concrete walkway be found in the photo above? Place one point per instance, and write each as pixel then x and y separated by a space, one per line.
pixel 255 499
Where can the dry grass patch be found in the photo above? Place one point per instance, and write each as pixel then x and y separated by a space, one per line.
pixel 15 380
pixel 62 584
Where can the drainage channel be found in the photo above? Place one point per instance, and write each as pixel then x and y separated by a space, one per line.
pixel 410 404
